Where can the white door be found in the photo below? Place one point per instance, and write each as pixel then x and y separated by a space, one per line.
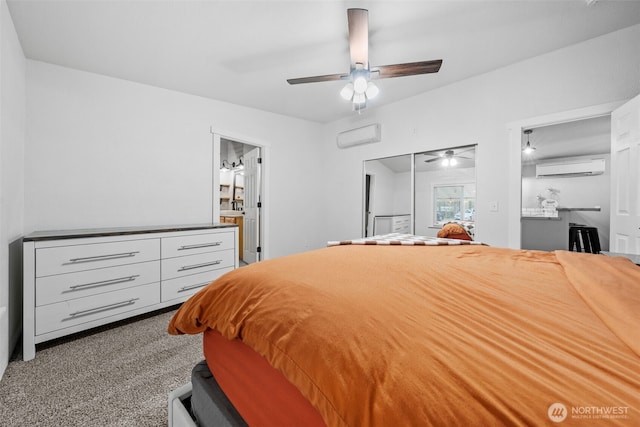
pixel 251 210
pixel 625 178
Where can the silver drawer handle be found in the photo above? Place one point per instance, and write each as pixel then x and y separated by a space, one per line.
pixel 206 264
pixel 89 311
pixel 104 282
pixel 201 245
pixel 188 288
pixel 103 257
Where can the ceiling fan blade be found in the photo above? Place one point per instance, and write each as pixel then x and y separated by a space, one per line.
pixel 465 151
pixel 433 160
pixel 407 69
pixel 358 37
pixel 315 79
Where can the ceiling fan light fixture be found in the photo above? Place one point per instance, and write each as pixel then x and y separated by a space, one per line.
pixel 360 84
pixel 359 98
pixel 452 162
pixel 445 162
pixel 372 90
pixel 347 92
pixel 360 71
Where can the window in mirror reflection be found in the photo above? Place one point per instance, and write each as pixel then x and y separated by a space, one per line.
pixel 445 189
pixel 454 203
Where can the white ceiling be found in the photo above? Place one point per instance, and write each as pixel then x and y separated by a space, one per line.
pixel 576 138
pixel 243 51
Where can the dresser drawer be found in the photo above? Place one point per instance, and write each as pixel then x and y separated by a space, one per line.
pixel 68 259
pixel 196 244
pixel 52 289
pixel 192 264
pixel 401 224
pixel 185 286
pixel 65 314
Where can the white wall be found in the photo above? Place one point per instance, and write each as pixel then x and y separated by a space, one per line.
pixel 390 190
pixel 12 125
pixel 476 111
pixel 384 188
pixel 105 152
pixel 402 194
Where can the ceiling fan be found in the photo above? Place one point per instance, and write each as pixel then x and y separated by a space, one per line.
pixel 448 157
pixel 360 87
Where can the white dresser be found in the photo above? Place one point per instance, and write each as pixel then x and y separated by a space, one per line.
pixel 385 224
pixel 80 279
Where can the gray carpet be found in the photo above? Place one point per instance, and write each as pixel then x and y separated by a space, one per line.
pixel 116 376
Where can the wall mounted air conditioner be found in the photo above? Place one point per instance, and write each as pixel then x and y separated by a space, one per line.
pixel 568 169
pixel 363 135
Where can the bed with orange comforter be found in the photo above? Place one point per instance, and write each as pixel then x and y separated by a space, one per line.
pixel 390 335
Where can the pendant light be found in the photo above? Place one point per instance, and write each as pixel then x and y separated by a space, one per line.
pixel 528 149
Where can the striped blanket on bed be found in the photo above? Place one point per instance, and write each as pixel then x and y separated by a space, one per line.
pixel 403 239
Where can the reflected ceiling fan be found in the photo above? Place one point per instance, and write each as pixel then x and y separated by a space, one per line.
pixel 448 157
pixel 360 87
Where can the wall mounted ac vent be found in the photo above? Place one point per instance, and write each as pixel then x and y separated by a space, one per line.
pixel 568 169
pixel 363 135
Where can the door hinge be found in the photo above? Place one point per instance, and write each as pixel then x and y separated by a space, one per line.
pixel 259 160
pixel 258 249
pixel 259 204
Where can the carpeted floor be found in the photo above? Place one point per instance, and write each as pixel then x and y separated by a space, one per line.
pixel 115 376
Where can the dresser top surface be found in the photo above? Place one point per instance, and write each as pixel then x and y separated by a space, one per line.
pixel 118 231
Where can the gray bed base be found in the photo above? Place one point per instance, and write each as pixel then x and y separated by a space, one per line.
pixel 202 403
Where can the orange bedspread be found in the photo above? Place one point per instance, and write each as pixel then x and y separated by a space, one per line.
pixel 445 335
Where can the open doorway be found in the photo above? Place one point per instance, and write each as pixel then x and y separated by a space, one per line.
pixel 517 140
pixel 566 182
pixel 240 196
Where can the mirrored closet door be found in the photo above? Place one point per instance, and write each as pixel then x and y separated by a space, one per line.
pixel 445 189
pixel 387 195
pixel 420 192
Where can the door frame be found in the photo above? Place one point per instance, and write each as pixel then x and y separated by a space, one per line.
pixel 369 184
pixel 217 134
pixel 514 130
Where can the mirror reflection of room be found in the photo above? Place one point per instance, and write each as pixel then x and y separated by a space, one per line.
pixel 566 186
pixel 445 190
pixel 387 195
pixel 421 193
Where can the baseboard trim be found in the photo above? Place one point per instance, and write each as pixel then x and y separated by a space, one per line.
pixel 4 340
